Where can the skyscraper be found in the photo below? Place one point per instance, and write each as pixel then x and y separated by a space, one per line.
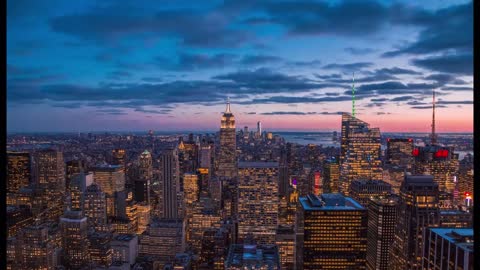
pixel 417 210
pixel 258 206
pixel 331 176
pixel 360 152
pixel 227 159
pixel 448 248
pixel 364 190
pixel 333 233
pixel 34 249
pixel 382 217
pixel 170 198
pixel 50 169
pixel 95 207
pixel 145 178
pixel 19 170
pixel 74 228
pixel 111 179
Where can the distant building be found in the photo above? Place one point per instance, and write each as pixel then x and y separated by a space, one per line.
pixel 448 248
pixel 258 208
pixel 50 170
pixel 360 152
pixel 332 233
pixel 252 257
pixel 19 170
pixel 399 152
pixel 285 241
pixel 455 218
pixel 34 249
pixel 145 179
pixel 111 179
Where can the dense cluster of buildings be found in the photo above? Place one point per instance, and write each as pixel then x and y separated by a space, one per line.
pixel 240 200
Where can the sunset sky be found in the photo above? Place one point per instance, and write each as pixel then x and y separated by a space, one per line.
pixel 170 65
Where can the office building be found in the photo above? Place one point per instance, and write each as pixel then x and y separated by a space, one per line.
pixel 145 178
pixel 399 152
pixel 73 226
pixel 448 248
pixel 227 157
pixel 125 248
pixel 360 152
pixel 169 195
pixel 19 170
pixel 34 249
pixel 111 179
pixel 163 239
pixel 258 208
pixel 285 241
pixel 99 249
pixel 50 169
pixel 417 209
pixel 455 218
pixel 364 190
pixel 382 218
pixel 332 233
pixel 331 176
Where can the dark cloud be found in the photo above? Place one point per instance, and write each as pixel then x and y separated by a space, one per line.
pixel 379 99
pixel 402 98
pixel 396 71
pixel 119 75
pixel 450 28
pixel 349 67
pixel 359 51
pixel 259 59
pixel 251 113
pixel 164 111
pixel 446 102
pixel 443 78
pixel 111 23
pixel 195 62
pixel 152 79
pixel 457 88
pixel 288 113
pixel 302 64
pixel 450 63
pixel 329 76
pixel 427 107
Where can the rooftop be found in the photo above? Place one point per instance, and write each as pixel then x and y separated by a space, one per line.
pixel 463 238
pixel 329 201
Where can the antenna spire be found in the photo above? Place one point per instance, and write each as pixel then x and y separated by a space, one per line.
pixel 353 94
pixel 434 136
pixel 228 106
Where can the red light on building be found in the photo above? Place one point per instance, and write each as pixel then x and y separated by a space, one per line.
pixel 467 194
pixel 442 153
pixel 410 140
pixel 388 139
pixel 415 152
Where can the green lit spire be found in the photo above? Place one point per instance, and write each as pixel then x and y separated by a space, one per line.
pixel 353 95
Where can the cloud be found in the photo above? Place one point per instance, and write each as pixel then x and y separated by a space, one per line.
pixel 450 28
pixel 427 107
pixel 450 63
pixel 349 67
pixel 259 59
pixel 119 75
pixel 288 113
pixel 195 62
pixel 402 98
pixel 359 51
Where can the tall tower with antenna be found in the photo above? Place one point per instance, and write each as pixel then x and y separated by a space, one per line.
pixel 433 135
pixel 353 95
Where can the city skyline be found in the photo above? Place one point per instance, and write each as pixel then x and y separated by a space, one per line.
pixel 118 67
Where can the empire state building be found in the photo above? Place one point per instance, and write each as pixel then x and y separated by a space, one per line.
pixel 227 161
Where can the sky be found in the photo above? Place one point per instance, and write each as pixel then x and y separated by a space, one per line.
pixel 171 65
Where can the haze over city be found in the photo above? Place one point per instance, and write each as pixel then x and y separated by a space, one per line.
pixel 141 65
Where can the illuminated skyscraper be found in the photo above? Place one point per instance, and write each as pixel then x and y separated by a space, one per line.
pixel 285 241
pixel 145 178
pixel 170 197
pixel 74 228
pixel 227 158
pixel 95 207
pixel 19 170
pixel 417 210
pixel 111 179
pixel 382 217
pixel 399 152
pixel 440 162
pixel 331 176
pixel 50 169
pixel 191 188
pixel 360 152
pixel 73 167
pixel 333 233
pixel 118 157
pixel 258 206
